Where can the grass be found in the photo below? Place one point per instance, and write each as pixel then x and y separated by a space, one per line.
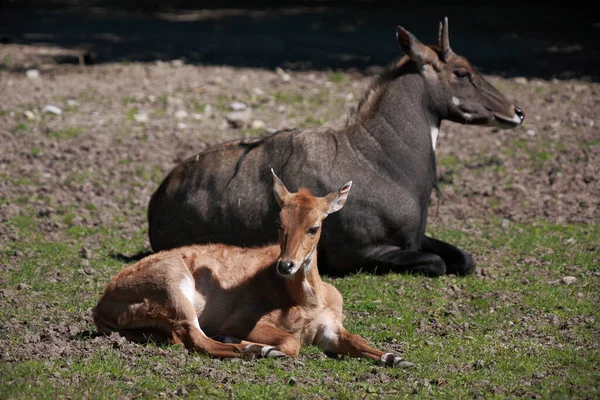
pixel 20 127
pixel 337 77
pixel 67 133
pixel 129 115
pixel 515 335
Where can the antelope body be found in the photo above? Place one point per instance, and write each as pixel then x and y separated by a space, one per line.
pixel 388 148
pixel 264 301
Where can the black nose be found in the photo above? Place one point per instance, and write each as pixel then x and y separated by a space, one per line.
pixel 520 113
pixel 285 267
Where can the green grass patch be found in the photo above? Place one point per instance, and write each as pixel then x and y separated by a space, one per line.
pixel 130 113
pixel 68 133
pixel 288 97
pixel 337 77
pixel 20 127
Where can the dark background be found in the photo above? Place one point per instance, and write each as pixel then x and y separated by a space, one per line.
pixel 507 38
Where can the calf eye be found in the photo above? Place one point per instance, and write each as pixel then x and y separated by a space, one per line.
pixel 313 231
pixel 279 226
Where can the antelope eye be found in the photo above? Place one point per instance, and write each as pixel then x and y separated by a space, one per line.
pixel 461 73
pixel 313 231
pixel 278 226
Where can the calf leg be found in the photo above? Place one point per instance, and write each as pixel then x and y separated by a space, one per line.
pixel 354 345
pixel 283 343
pixel 163 316
pixel 457 261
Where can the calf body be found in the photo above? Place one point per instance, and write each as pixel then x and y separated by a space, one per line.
pixel 261 301
pixel 388 149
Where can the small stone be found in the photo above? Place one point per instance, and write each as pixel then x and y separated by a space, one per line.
pixel 197 116
pixel 530 132
pixel 567 280
pixel 23 286
pixel 50 109
pixel 72 103
pixel 140 117
pixel 257 91
pixel 85 252
pixel 89 271
pixel 239 119
pixel 29 114
pixel 258 124
pixel 238 106
pixel 181 125
pixel 521 80
pixel 32 74
pixel 177 63
pixel 181 114
pixel 281 109
pixel 283 75
pixel 208 110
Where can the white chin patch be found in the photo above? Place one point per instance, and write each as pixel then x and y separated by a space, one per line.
pixel 308 261
pixel 434 135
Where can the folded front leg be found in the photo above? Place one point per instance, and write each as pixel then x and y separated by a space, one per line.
pixel 281 340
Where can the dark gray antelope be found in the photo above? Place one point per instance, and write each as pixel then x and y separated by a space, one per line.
pixel 387 147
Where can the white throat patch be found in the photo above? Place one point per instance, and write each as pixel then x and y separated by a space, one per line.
pixel 434 135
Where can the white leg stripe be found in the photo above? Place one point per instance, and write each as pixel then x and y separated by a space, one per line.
pixel 265 350
pixel 189 292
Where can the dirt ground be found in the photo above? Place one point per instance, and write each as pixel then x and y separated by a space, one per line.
pixel 118 127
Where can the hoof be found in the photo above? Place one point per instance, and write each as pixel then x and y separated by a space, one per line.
pixel 390 359
pixel 256 350
pixel 272 352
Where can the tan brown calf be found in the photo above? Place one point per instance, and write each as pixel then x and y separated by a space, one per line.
pixel 265 302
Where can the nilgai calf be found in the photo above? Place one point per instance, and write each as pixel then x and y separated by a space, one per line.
pixel 263 301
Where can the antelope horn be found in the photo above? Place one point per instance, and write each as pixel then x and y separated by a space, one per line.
pixel 444 39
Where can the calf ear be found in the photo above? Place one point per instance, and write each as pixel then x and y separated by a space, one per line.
pixel 419 53
pixel 279 189
pixel 338 199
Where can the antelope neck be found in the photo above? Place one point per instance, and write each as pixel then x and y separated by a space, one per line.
pixel 404 117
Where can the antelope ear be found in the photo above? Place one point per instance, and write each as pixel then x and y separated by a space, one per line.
pixel 417 51
pixel 338 199
pixel 279 189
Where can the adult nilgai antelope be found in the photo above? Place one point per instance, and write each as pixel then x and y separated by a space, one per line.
pixel 266 301
pixel 388 148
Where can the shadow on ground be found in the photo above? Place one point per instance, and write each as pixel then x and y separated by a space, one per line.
pixel 511 40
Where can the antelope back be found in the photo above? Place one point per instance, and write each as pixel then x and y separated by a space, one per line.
pixel 299 224
pixel 458 92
